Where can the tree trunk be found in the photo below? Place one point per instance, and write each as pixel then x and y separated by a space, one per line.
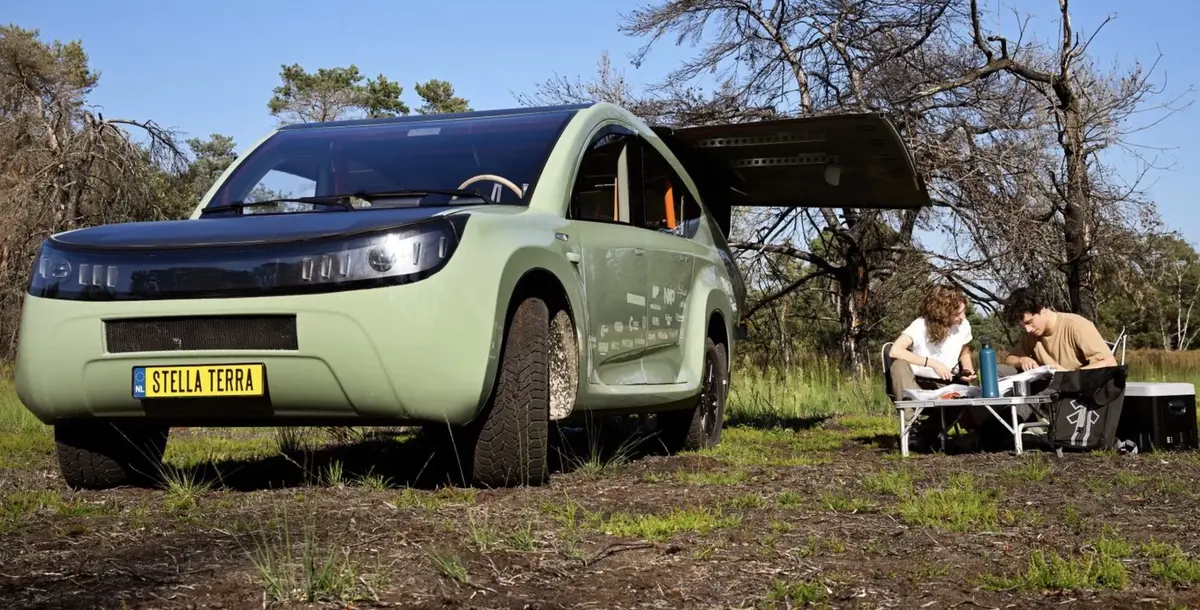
pixel 1076 231
pixel 852 306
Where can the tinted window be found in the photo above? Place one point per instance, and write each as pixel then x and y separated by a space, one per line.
pixel 668 204
pixel 601 176
pixel 498 151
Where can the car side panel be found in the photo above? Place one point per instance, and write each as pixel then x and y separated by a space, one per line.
pixel 672 262
pixel 616 274
pixel 709 295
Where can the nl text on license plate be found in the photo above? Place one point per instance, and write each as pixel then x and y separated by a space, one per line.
pixel 201 381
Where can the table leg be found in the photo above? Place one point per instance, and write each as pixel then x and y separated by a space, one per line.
pixel 903 433
pixel 1016 428
pixel 943 434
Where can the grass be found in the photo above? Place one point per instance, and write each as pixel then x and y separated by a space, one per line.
pixel 1051 571
pixel 796 593
pixel 957 506
pixel 307 569
pixel 780 486
pixel 661 526
pixel 813 389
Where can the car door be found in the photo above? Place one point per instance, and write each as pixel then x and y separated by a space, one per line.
pixel 668 213
pixel 612 260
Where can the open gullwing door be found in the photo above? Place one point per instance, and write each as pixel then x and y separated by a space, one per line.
pixel 837 161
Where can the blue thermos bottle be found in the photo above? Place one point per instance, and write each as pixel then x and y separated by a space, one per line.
pixel 987 370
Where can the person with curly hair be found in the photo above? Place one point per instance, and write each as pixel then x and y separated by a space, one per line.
pixel 927 352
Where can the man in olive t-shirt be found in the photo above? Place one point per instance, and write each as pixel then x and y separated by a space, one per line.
pixel 1064 341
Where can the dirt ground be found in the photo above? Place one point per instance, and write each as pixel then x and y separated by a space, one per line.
pixel 819 512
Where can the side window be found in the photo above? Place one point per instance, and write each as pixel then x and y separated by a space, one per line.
pixel 601 191
pixel 668 205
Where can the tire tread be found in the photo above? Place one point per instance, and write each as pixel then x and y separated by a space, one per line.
pixel 513 442
pixel 101 455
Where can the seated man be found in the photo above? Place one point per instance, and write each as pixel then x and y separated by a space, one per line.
pixel 1061 340
pixel 1064 341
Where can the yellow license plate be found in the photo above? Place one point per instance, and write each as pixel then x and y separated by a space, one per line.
pixel 204 381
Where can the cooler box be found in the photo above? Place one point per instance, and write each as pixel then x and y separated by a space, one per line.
pixel 1159 416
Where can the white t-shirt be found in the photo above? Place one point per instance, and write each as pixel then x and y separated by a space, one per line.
pixel 946 352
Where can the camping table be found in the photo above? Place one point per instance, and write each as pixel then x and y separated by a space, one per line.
pixel 1012 402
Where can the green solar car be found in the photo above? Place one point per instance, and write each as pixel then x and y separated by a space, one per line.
pixel 491 272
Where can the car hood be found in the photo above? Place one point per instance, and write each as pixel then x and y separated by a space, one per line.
pixel 247 230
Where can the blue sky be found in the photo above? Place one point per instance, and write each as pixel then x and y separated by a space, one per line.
pixel 210 67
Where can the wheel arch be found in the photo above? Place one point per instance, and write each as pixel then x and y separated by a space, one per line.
pixel 539 273
pixel 718 329
pixel 710 314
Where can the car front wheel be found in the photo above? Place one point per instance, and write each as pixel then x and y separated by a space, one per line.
pixel 104 454
pixel 511 446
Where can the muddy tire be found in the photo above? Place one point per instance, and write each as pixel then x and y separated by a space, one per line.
pixel 103 454
pixel 511 445
pixel 700 427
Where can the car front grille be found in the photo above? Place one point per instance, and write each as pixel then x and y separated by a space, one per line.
pixel 193 333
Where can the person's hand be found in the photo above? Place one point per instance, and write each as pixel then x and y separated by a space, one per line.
pixel 940 369
pixel 1028 364
pixel 967 374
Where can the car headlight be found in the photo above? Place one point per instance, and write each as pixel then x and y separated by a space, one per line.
pixel 380 258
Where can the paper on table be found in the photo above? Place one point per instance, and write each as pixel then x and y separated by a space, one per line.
pixel 966 391
pixel 1006 383
pixel 972 391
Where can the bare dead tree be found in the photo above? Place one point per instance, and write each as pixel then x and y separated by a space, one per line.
pixel 1078 210
pixel 63 166
pixel 986 118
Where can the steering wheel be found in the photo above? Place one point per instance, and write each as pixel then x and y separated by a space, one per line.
pixel 494 178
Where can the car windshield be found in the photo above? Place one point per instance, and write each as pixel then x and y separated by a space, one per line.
pixel 500 157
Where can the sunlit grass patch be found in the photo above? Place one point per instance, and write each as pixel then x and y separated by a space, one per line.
pixel 1111 545
pixel 814 387
pixel 709 477
pixel 1033 468
pixel 309 569
pixel 201 446
pixel 183 487
pixel 661 526
pixel 429 500
pixel 897 483
pixel 1051 571
pixel 24 440
pixel 958 506
pixel 14 417
pixel 18 508
pixel 776 447
pixel 24 449
pixel 1169 564
pixel 796 594
pixel 788 498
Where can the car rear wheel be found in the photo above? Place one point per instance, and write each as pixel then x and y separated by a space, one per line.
pixel 104 454
pixel 700 427
pixel 511 446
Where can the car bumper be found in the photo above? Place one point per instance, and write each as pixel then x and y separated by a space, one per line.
pixel 420 352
